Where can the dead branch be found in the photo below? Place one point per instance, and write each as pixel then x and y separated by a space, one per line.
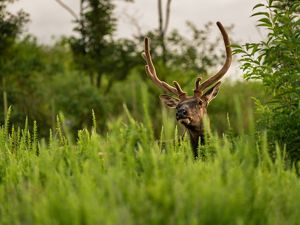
pixel 71 11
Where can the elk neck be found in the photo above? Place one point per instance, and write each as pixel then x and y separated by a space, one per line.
pixel 196 136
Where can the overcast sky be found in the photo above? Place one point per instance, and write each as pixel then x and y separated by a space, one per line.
pixel 49 20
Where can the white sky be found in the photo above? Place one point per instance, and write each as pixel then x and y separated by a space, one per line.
pixel 48 19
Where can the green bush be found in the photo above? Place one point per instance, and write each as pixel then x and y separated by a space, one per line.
pixel 275 62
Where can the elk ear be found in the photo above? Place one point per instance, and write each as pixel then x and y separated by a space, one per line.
pixel 211 93
pixel 169 100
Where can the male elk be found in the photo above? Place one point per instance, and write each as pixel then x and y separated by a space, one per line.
pixel 190 110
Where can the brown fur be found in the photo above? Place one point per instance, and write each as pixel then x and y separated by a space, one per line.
pixel 196 110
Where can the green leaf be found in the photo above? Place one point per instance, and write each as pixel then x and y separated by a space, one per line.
pixel 264 25
pixel 236 51
pixel 254 50
pixel 258 5
pixel 260 13
pixel 265 20
pixel 295 6
pixel 235 46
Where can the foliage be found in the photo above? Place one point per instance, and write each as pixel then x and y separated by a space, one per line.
pixel 199 50
pixel 23 83
pixel 135 92
pixel 235 103
pixel 125 177
pixel 43 81
pixel 275 62
pixel 95 27
pixel 95 51
pixel 74 97
pixel 11 25
pixel 43 84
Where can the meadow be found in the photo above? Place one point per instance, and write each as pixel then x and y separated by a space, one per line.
pixel 127 176
pixel 86 140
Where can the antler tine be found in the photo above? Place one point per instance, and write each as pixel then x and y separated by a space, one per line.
pixel 226 65
pixel 151 72
pixel 197 91
pixel 181 93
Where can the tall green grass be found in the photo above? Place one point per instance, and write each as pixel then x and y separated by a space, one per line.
pixel 129 177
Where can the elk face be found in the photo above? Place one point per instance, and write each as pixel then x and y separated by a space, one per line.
pixel 190 110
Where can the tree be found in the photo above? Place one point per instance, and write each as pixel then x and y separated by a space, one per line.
pixel 95 50
pixel 95 27
pixel 11 26
pixel 275 62
pixel 163 23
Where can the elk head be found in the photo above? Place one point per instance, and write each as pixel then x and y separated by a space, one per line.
pixel 190 110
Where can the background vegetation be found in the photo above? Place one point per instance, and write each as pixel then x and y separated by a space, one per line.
pixel 94 70
pixel 87 141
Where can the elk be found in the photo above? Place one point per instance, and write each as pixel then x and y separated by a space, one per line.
pixel 190 110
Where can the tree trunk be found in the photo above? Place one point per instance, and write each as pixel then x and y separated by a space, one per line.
pixel 91 76
pixel 109 86
pixel 4 98
pixel 160 17
pixel 163 47
pixel 168 10
pixel 99 80
pixel 161 30
pixel 163 26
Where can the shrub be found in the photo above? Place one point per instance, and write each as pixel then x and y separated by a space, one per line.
pixel 275 62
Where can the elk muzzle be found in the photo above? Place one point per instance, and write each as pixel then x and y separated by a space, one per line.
pixel 182 116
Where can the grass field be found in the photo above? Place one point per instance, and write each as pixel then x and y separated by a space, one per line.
pixel 128 177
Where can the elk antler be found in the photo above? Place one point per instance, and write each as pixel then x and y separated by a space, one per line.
pixel 151 72
pixel 201 87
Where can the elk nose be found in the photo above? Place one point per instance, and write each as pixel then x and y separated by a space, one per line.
pixel 181 113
